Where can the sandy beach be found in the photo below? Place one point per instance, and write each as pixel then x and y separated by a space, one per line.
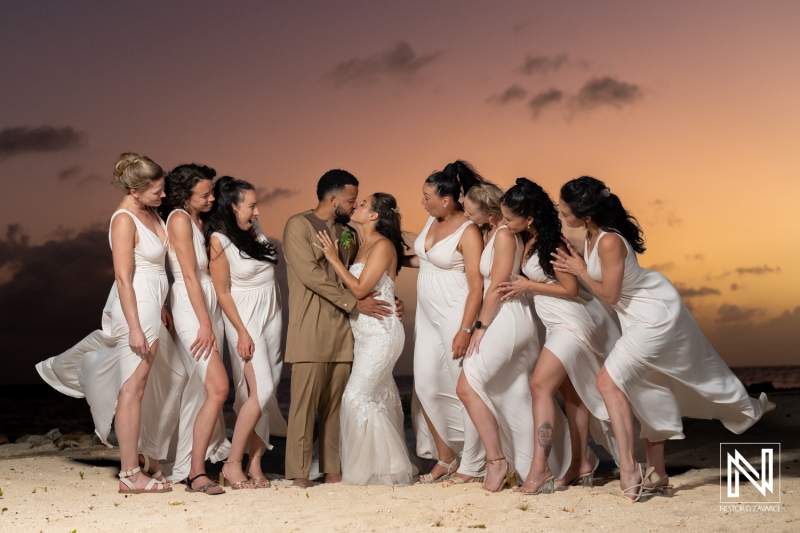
pixel 43 491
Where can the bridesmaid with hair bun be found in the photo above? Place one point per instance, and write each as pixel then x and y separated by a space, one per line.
pixel 129 371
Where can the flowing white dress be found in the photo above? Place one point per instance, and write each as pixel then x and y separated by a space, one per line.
pixel 501 373
pixel 580 332
pixel 186 326
pixel 663 362
pixel 442 291
pixel 372 442
pixel 255 292
pixel 97 367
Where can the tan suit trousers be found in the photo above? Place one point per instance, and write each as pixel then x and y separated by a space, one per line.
pixel 316 388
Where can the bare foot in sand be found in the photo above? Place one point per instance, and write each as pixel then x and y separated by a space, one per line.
pixel 333 478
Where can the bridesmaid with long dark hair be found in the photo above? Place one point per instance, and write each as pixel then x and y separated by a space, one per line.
pixel 662 368
pixel 198 327
pixel 242 265
pixel 580 333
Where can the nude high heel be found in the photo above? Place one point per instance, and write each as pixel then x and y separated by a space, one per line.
pixel 246 484
pixel 260 482
pixel 511 475
pixel 664 490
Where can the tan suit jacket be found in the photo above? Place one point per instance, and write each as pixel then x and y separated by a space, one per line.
pixel 319 305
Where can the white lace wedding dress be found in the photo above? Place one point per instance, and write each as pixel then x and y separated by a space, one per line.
pixel 371 442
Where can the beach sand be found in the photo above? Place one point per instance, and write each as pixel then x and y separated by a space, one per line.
pixel 43 491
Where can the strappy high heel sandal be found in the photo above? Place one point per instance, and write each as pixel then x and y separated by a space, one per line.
pixel 260 482
pixel 153 486
pixel 451 468
pixel 664 490
pixel 204 488
pixel 583 480
pixel 511 475
pixel 639 487
pixel 235 485
pixel 548 486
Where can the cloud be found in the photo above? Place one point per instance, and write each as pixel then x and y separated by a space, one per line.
pixel 696 257
pixel 515 92
pixel 401 62
pixel 758 270
pixel 735 286
pixel 543 64
pixel 267 197
pixel 75 174
pixel 691 292
pixel 734 313
pixel 543 100
pixel 606 91
pixel 20 140
pixel 662 267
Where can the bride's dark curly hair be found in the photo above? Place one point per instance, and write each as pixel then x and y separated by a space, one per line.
pixel 528 199
pixel 229 192
pixel 589 197
pixel 178 185
pixel 388 223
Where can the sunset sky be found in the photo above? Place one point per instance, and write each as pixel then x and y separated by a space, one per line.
pixel 689 111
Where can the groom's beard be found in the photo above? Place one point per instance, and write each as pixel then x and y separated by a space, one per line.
pixel 340 217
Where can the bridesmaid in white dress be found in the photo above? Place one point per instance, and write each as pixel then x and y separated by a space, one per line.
pixel 111 367
pixel 497 369
pixel 198 327
pixel 372 442
pixel 242 265
pixel 580 333
pixel 662 368
pixel 449 288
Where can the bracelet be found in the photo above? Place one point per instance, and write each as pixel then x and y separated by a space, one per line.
pixel 466 330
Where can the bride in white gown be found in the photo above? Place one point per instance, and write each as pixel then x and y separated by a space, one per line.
pixel 371 442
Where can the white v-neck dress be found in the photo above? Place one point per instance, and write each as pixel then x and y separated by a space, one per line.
pixel 663 362
pixel 500 373
pixel 255 292
pixel 186 327
pixel 442 291
pixel 97 367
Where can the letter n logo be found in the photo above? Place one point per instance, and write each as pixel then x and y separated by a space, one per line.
pixel 738 470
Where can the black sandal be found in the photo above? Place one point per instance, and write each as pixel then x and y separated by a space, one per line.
pixel 204 488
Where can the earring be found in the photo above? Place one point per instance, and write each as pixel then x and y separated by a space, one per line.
pixel 185 207
pixel 136 200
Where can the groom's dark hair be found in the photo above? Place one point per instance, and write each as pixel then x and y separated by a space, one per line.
pixel 333 181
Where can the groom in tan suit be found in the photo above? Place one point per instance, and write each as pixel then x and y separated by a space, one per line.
pixel 319 344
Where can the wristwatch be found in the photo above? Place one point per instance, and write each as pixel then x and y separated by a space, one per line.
pixel 481 325
pixel 466 330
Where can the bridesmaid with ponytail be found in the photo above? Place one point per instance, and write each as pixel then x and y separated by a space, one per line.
pixel 662 368
pixel 449 289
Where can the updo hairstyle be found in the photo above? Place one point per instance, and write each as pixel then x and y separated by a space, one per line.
pixel 134 172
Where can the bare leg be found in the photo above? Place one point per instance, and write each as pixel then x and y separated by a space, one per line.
pixel 619 410
pixel 578 419
pixel 655 459
pixel 444 451
pixel 489 431
pixel 216 392
pixel 547 376
pixel 246 420
pixel 128 418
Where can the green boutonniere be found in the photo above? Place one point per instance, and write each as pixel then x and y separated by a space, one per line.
pixel 346 239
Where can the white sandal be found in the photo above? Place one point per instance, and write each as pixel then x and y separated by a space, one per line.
pixel 125 474
pixel 451 468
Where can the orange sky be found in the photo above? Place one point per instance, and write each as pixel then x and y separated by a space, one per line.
pixel 694 126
